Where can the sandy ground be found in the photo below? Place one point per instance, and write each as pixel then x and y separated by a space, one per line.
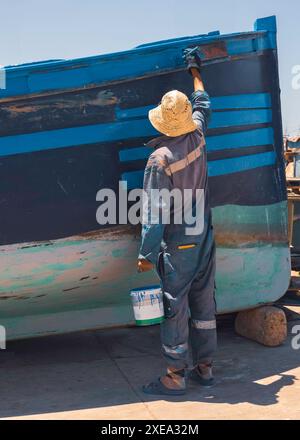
pixel 99 374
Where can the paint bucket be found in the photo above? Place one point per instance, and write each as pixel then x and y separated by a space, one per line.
pixel 147 305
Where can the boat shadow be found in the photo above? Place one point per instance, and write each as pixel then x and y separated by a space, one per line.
pixel 99 374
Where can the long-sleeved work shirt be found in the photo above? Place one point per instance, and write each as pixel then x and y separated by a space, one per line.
pixel 177 163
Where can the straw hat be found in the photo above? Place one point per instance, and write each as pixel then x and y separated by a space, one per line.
pixel 173 117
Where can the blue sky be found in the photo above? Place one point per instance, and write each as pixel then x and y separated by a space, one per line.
pixel 49 29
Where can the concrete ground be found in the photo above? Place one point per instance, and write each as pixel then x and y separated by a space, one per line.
pixel 98 375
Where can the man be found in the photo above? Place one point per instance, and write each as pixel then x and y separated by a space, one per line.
pixel 185 263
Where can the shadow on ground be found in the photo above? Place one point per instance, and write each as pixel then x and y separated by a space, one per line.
pixel 104 370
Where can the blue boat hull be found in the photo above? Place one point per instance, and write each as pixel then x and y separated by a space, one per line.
pixel 70 128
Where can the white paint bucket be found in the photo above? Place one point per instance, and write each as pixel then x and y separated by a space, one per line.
pixel 147 305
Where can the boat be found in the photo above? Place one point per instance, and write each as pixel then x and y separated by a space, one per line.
pixel 71 127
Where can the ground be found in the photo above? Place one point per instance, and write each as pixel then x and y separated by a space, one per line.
pixel 99 374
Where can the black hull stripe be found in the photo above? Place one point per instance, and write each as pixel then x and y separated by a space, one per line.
pixel 52 194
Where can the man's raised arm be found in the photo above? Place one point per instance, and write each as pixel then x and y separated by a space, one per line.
pixel 200 98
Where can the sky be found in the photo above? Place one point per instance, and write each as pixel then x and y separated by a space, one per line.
pixel 34 30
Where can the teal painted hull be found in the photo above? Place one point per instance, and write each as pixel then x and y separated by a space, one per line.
pixel 84 282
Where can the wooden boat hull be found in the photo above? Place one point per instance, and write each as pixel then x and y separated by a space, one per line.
pixel 71 128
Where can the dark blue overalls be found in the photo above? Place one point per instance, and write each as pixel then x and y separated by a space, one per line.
pixel 185 263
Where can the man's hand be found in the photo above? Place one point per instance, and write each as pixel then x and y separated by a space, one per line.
pixel 192 59
pixel 144 265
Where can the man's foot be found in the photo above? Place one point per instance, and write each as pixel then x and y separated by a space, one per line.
pixel 173 383
pixel 203 375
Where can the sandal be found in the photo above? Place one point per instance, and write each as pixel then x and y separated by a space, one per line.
pixel 157 387
pixel 196 377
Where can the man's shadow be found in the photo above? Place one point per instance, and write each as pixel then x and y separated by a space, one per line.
pixel 246 372
pixel 250 392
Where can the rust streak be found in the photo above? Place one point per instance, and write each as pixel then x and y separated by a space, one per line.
pixel 71 288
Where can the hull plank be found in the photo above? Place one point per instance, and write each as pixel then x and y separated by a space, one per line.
pixel 108 103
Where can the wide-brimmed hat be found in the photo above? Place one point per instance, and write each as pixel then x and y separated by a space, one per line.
pixel 173 117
